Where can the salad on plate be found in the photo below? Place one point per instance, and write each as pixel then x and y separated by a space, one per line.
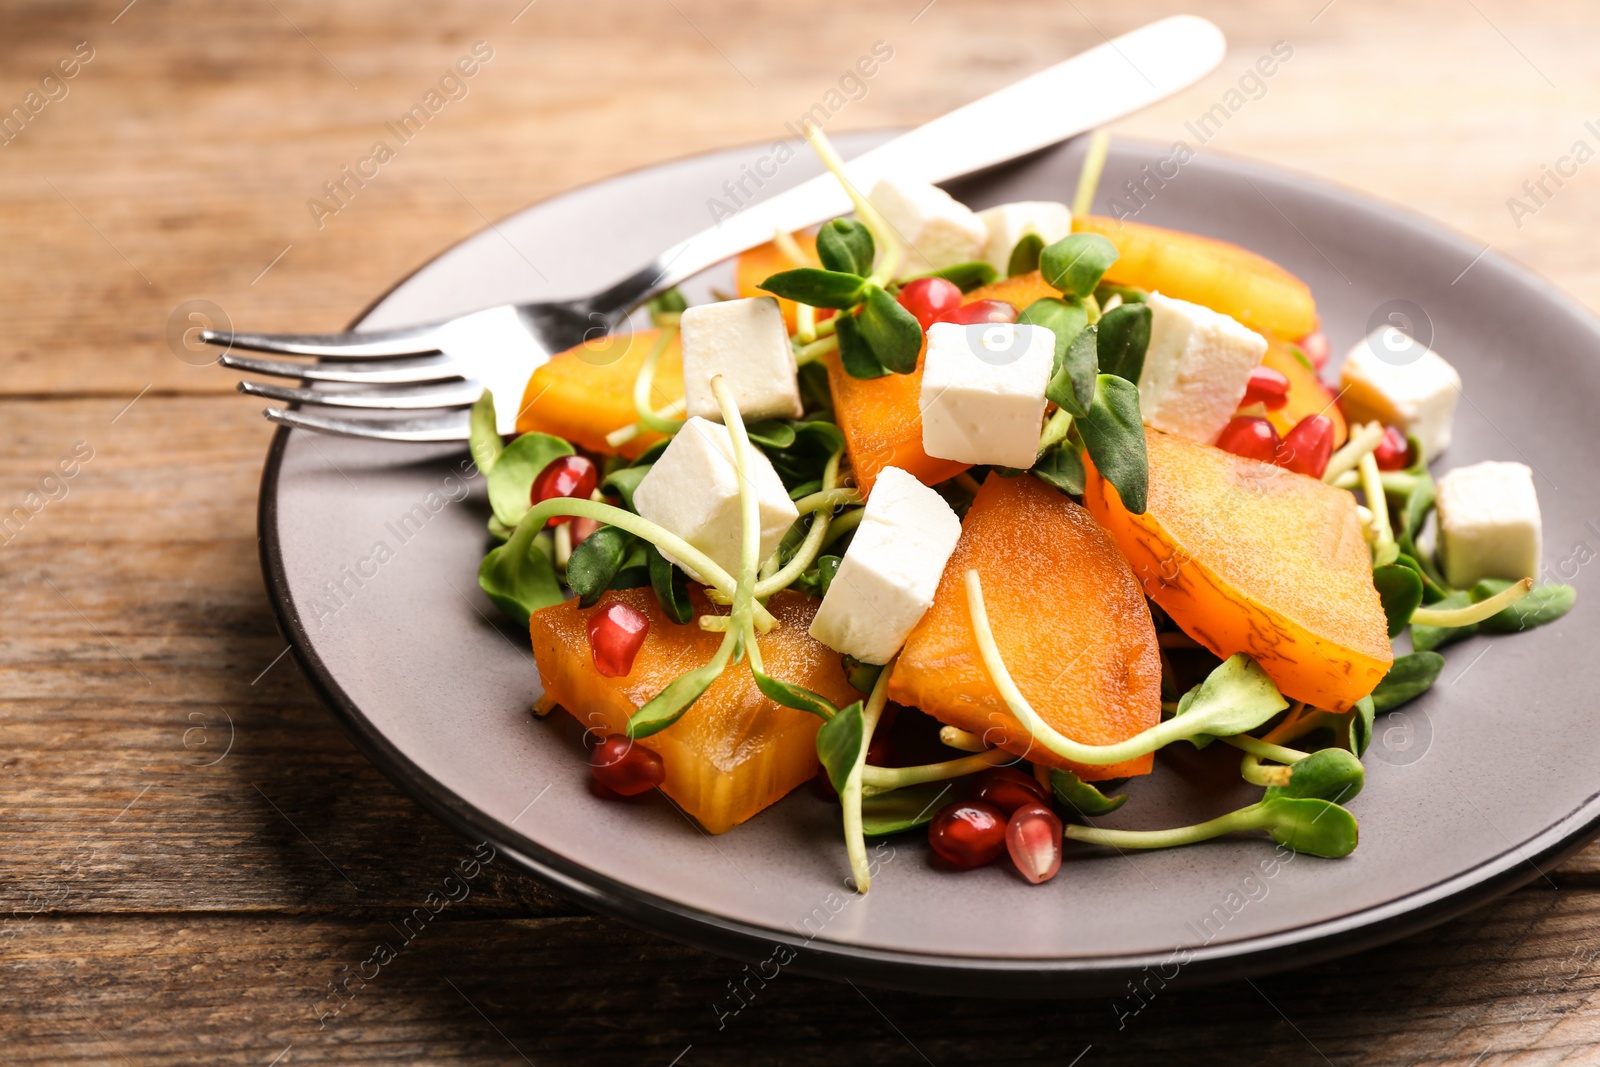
pixel 965 515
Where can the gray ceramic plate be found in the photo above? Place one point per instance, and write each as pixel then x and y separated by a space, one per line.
pixel 1474 789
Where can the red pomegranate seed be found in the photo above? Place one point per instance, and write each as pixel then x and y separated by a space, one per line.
pixel 1250 436
pixel 616 633
pixel 929 298
pixel 1394 451
pixel 564 476
pixel 1033 837
pixel 625 768
pixel 1316 348
pixel 1008 789
pixel 968 833
pixel 1267 387
pixel 980 311
pixel 582 528
pixel 1307 447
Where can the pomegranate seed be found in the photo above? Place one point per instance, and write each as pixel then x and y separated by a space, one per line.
pixel 1008 789
pixel 616 632
pixel 1250 436
pixel 1267 387
pixel 1394 451
pixel 1306 448
pixel 1033 837
pixel 968 833
pixel 564 476
pixel 582 528
pixel 980 311
pixel 1316 348
pixel 625 768
pixel 929 298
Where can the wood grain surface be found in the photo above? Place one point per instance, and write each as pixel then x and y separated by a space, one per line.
pixel 193 857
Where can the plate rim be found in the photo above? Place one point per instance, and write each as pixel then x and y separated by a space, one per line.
pixel 931 972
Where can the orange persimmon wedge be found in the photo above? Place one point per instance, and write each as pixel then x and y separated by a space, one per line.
pixel 1222 276
pixel 734 752
pixel 1069 619
pixel 1248 557
pixel 586 392
pixel 1307 394
pixel 763 261
pixel 1019 290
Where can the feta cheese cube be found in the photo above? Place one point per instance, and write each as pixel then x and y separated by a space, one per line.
pixel 1009 223
pixel 747 343
pixel 693 491
pixel 938 230
pixel 983 389
pixel 1489 524
pixel 1394 379
pixel 1196 368
pixel 886 581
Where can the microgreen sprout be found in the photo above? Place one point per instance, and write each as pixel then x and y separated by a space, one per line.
pixel 668 420
pixel 1363 439
pixel 961 740
pixel 1473 613
pixel 1094 161
pixel 1304 824
pixel 1384 547
pixel 876 780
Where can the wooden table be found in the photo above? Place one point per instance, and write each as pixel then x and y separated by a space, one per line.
pixel 192 853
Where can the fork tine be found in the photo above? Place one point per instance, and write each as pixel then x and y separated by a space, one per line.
pixel 454 395
pixel 449 426
pixel 410 341
pixel 374 372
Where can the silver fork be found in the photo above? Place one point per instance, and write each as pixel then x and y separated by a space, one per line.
pixel 426 376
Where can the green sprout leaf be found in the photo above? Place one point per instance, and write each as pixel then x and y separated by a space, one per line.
pixel 1431 592
pixel 1081 797
pixel 902 809
pixel 1236 696
pixel 794 696
pixel 1544 603
pixel 840 743
pixel 519 575
pixel 814 583
pixel 1410 676
pixel 819 288
pixel 892 332
pixel 1124 336
pixel 483 435
pixel 668 706
pixel 855 354
pixel 511 478
pixel 1075 264
pixel 1130 295
pixel 595 562
pixel 771 433
pixel 1072 381
pixel 625 480
pixel 671 586
pixel 1428 638
pixel 1113 432
pixel 1061 467
pixel 845 247
pixel 1332 774
pixel 1025 256
pixel 1358 731
pixel 861 676
pixel 965 276
pixel 1309 825
pixel 1400 590
pixel 671 302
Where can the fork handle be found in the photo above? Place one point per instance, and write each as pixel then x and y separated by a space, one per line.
pixel 1092 88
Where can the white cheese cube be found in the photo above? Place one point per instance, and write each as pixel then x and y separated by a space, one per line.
pixel 886 581
pixel 747 343
pixel 1009 223
pixel 693 491
pixel 1196 368
pixel 1397 381
pixel 1489 524
pixel 983 391
pixel 938 230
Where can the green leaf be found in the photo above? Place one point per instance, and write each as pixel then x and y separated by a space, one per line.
pixel 519 575
pixel 1072 381
pixel 1400 590
pixel 1113 432
pixel 771 433
pixel 595 562
pixel 483 434
pixel 1428 638
pixel 1130 294
pixel 668 706
pixel 625 481
pixel 1544 603
pixel 511 478
pixel 1235 697
pixel 965 276
pixel 903 809
pixel 1358 732
pixel 1332 774
pixel 1061 467
pixel 815 582
pixel 855 354
pixel 1124 335
pixel 499 530
pixel 1075 264
pixel 845 247
pixel 671 586
pixel 1410 676
pixel 671 302
pixel 1025 256
pixel 1081 797
pixel 861 676
pixel 1314 827
pixel 892 332
pixel 841 742
pixel 650 455
pixel 819 288
pixel 794 696
pixel 1431 591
